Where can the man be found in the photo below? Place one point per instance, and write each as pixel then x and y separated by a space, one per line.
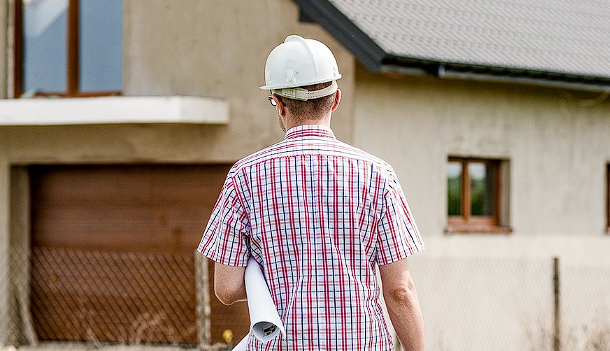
pixel 318 216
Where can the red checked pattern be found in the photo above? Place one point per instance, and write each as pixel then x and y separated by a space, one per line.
pixel 317 215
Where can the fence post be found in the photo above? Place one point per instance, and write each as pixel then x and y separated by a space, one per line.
pixel 556 307
pixel 203 300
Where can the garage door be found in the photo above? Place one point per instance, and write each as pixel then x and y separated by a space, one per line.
pixel 113 252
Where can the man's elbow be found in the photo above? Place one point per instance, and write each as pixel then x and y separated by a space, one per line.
pixel 229 292
pixel 226 299
pixel 226 296
pixel 229 284
pixel 400 295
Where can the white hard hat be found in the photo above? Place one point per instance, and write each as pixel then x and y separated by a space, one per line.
pixel 298 62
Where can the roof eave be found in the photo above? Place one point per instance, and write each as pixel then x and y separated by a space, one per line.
pixel 450 70
pixel 594 85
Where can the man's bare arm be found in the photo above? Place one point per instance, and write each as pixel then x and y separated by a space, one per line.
pixel 229 284
pixel 403 305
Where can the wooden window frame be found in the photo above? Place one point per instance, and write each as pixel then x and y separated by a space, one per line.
pixel 466 223
pixel 72 61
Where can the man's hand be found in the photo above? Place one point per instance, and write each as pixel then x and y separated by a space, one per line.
pixel 229 285
pixel 403 306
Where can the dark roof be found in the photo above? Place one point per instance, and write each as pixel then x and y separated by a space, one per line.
pixel 560 41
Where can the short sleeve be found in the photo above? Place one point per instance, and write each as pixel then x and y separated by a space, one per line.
pixel 398 236
pixel 226 237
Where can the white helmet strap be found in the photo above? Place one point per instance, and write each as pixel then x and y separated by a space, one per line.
pixel 304 94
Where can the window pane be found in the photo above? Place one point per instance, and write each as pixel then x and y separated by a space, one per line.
pixel 45 45
pixel 454 188
pixel 101 45
pixel 481 189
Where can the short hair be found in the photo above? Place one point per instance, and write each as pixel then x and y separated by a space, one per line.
pixel 312 109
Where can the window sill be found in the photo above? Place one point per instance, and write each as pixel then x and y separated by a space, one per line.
pixel 113 110
pixel 477 229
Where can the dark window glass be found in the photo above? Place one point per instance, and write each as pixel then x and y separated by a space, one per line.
pixel 454 188
pixel 481 189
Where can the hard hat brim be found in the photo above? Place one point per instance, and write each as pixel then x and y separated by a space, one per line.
pixel 280 86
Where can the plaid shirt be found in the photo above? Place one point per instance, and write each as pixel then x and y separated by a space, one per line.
pixel 317 215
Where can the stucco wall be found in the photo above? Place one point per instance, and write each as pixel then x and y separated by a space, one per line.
pixel 218 49
pixel 191 48
pixel 3 48
pixel 495 291
pixel 556 142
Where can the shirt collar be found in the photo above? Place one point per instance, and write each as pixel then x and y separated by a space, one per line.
pixel 315 130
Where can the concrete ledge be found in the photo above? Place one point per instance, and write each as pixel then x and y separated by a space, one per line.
pixel 113 110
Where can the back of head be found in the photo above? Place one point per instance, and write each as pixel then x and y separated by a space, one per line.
pixel 304 72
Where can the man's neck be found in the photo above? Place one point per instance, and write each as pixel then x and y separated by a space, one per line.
pixel 323 122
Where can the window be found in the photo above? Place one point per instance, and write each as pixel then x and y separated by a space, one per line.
pixel 68 47
pixel 474 193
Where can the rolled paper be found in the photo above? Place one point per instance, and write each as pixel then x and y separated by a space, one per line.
pixel 265 322
pixel 242 346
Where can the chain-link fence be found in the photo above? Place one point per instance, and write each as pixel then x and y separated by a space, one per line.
pixel 585 308
pixel 513 304
pixel 59 298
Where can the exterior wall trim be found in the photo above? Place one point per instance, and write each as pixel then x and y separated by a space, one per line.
pixel 114 110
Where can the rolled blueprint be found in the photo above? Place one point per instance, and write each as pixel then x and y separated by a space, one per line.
pixel 242 345
pixel 265 322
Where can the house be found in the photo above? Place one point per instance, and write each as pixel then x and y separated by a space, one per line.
pixel 495 115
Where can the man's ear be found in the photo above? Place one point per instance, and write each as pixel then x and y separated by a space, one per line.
pixel 337 100
pixel 281 108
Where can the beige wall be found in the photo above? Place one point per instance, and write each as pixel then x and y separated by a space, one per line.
pixel 486 291
pixel 3 47
pixel 218 49
pixel 195 48
pixel 557 144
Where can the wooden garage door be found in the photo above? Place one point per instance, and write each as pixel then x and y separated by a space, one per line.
pixel 113 251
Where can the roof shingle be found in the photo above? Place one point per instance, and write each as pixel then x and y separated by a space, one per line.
pixel 556 36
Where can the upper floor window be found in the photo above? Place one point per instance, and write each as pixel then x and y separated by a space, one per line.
pixel 68 47
pixel 474 196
